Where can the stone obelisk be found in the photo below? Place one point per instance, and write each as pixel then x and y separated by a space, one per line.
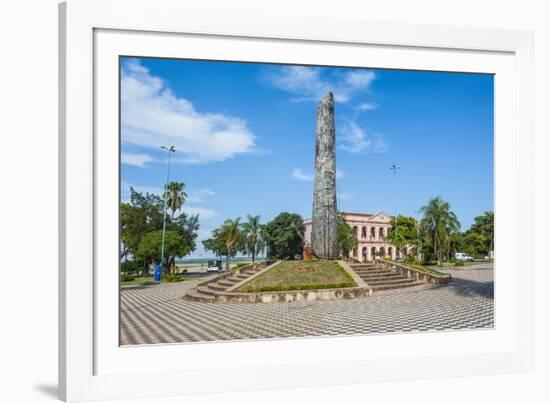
pixel 324 224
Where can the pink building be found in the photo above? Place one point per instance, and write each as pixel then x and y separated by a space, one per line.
pixel 371 231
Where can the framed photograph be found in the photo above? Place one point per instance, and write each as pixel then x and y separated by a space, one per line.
pixel 245 207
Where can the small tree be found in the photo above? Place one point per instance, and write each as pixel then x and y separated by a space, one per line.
pixel 175 197
pixel 284 236
pixel 346 237
pixel 406 233
pixel 150 248
pixel 437 226
pixel 226 240
pixel 253 240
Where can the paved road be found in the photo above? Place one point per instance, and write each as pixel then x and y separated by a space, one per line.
pixel 157 314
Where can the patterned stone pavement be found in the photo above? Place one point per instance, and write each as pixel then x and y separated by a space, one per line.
pixel 157 314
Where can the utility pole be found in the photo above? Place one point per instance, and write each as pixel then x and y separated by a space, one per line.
pixel 170 150
pixel 395 168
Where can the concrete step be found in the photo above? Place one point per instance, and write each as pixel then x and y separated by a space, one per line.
pixel 206 290
pixel 227 282
pixel 382 276
pixel 196 296
pixel 360 272
pixel 217 286
pixel 384 287
pixel 391 281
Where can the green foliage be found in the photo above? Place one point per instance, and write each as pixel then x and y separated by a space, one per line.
pixel 346 237
pixel 301 275
pixel 140 216
pixel 143 216
pixel 252 236
pixel 226 240
pixel 175 197
pixel 458 263
pixel 478 240
pixel 284 236
pixel 437 227
pixel 411 259
pixel 126 278
pixel 403 232
pixel 149 248
pixel 131 266
pixel 173 278
pixel 275 288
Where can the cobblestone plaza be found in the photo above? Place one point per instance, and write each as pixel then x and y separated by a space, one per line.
pixel 158 314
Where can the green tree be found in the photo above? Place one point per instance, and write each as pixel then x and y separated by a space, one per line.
pixel 403 232
pixel 175 197
pixel 141 215
pixel 478 241
pixel 226 240
pixel 253 240
pixel 187 226
pixel 149 247
pixel 284 236
pixel 346 237
pixel 437 226
pixel 233 237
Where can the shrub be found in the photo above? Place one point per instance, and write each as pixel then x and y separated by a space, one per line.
pixel 276 288
pixel 411 259
pixel 173 278
pixel 458 263
pixel 125 278
pixel 131 266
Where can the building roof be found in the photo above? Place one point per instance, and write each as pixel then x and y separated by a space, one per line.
pixel 347 213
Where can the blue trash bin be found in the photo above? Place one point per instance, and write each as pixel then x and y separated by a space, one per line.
pixel 157 272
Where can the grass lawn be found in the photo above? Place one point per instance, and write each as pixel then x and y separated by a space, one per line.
pixel 300 275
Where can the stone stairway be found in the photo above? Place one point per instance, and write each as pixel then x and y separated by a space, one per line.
pixel 206 292
pixel 380 278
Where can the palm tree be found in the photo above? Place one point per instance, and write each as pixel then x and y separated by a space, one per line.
pixel 232 236
pixel 252 232
pixel 439 223
pixel 175 197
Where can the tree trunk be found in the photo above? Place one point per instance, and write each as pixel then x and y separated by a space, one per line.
pixel 253 255
pixel 227 262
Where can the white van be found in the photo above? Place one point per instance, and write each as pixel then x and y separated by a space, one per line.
pixel 463 257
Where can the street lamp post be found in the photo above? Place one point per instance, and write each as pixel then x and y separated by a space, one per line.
pixel 395 168
pixel 170 150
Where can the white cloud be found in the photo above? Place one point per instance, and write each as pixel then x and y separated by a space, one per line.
pixel 137 160
pixel 367 106
pixel 301 176
pixel 204 213
pixel 307 83
pixel 152 115
pixel 199 195
pixel 355 140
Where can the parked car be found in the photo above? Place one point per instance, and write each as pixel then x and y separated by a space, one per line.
pixel 463 257
pixel 214 266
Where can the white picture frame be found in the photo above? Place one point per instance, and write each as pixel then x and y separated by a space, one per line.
pixel 92 365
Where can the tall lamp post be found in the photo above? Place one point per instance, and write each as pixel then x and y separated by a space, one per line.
pixel 395 168
pixel 170 150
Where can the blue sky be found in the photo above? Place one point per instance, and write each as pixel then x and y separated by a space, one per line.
pixel 245 133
